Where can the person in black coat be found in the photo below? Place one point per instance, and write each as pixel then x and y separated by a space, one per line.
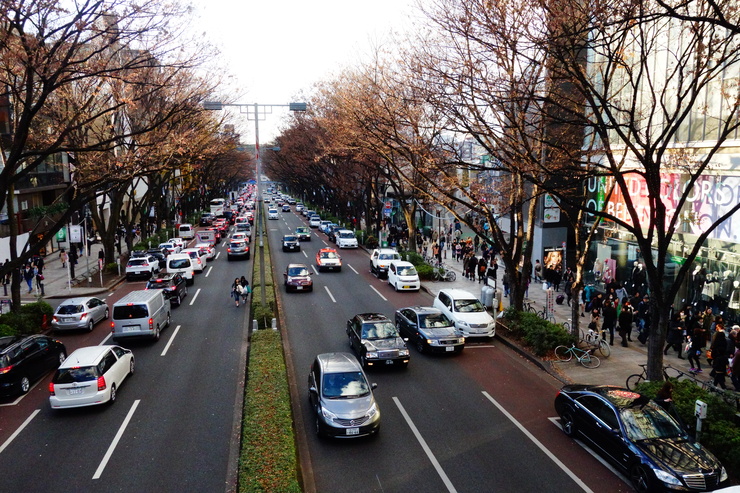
pixel 719 356
pixel 675 335
pixel 626 315
pixel 609 313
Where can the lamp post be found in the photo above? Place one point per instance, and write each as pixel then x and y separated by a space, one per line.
pixel 256 111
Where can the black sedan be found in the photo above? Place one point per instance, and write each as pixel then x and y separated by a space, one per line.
pixel 429 329
pixel 638 436
pixel 24 359
pixel 376 341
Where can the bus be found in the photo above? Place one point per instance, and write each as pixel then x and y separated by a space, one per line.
pixel 217 207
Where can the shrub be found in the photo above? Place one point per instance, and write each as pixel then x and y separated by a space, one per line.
pixel 413 257
pixel 539 334
pixel 425 271
pixel 7 330
pixel 111 268
pixel 371 242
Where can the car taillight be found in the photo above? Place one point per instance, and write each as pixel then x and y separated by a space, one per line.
pixel 51 388
pixel 151 324
pixel 228 250
pixel 54 319
pixel 6 369
pixel 84 314
pixel 101 383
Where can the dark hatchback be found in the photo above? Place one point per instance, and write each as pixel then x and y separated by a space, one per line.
pixel 173 286
pixel 376 341
pixel 638 436
pixel 429 330
pixel 297 278
pixel 24 359
pixel 291 243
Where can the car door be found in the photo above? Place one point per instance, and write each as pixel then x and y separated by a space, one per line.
pixel 353 331
pixel 33 359
pixel 119 366
pixel 404 322
pixel 374 260
pixel 600 425
pixel 94 308
pixel 314 379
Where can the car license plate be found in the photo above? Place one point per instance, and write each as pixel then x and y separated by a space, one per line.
pixel 450 348
pixel 389 362
pixel 406 287
pixel 67 319
pixel 353 431
pixel 130 328
pixel 75 391
pixel 299 287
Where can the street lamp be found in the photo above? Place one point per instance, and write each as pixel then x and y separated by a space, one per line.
pixel 256 111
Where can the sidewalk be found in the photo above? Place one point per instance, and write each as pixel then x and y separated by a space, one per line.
pixel 614 370
pixel 56 278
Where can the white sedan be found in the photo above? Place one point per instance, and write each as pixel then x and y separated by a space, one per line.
pixel 210 252
pixel 90 376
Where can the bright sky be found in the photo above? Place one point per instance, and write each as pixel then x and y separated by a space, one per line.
pixel 277 48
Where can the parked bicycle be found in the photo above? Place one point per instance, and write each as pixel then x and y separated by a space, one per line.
pixel 545 315
pixel 595 339
pixel 636 379
pixel 528 307
pixel 584 357
pixel 442 273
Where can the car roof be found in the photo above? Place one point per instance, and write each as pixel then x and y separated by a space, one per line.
pixel 401 263
pixel 422 309
pixel 458 294
pixel 372 317
pixel 85 356
pixel 297 265
pixel 338 362
pixel 620 397
pixel 385 250
pixel 327 249
pixel 76 301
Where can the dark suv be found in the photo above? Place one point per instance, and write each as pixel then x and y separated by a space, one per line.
pixel 24 359
pixel 291 244
pixel 173 285
pixel 376 340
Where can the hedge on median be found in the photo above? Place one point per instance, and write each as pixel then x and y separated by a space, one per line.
pixel 32 318
pixel 539 334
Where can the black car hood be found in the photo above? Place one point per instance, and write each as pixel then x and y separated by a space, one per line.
pixel 680 455
pixel 380 344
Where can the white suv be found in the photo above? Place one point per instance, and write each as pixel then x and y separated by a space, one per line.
pixel 468 313
pixel 144 267
pixel 381 259
pixel 346 239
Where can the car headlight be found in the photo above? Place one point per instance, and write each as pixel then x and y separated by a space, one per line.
pixel 403 352
pixel 430 341
pixel 372 411
pixel 723 475
pixel 666 477
pixel 327 414
pixel 461 340
pixel 463 323
pixel 371 354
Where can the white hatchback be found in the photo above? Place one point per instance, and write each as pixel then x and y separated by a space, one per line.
pixel 272 214
pixel 468 313
pixel 346 239
pixel 90 376
pixel 402 276
pixel 199 258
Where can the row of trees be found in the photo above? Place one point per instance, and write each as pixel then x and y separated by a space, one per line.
pixel 115 87
pixel 557 94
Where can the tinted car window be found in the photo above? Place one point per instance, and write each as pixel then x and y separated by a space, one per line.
pixel 69 309
pixel 432 320
pixel 107 363
pixel 77 374
pixel 130 311
pixel 601 410
pixel 180 263
pixel 138 261
pixel 297 271
pixel 468 306
pixel 380 330
pixel 649 421
pixel 348 385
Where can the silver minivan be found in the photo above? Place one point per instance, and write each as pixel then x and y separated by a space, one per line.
pixel 140 313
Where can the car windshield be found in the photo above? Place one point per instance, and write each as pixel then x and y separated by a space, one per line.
pixel 297 271
pixel 434 320
pixel 137 261
pixel 379 330
pixel 648 422
pixel 407 271
pixel 468 306
pixel 76 374
pixel 346 234
pixel 302 230
pixel 349 385
pixel 70 309
pixel 289 238
pixel 329 255
pixel 388 256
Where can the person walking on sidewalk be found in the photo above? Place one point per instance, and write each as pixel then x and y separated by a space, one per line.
pixel 246 290
pixel 697 339
pixel 28 276
pixel 626 316
pixel 719 356
pixel 8 277
pixel 236 290
pixel 537 271
pixel 609 311
pixel 63 257
pixel 505 282
pixel 675 335
pixel 482 268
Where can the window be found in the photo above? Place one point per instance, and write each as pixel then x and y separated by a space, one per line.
pixel 130 311
pixel 601 409
pixel 70 309
pixel 77 374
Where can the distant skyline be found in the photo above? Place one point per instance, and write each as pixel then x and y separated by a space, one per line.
pixel 277 50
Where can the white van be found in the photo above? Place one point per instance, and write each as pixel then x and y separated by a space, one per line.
pixel 140 313
pixel 181 263
pixel 206 237
pixel 186 231
pixel 402 276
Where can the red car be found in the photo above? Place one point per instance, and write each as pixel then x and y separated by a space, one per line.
pixel 328 259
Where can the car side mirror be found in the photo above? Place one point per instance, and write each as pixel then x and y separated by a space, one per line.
pixel 312 389
pixel 373 386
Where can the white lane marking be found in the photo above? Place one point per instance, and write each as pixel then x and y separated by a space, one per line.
pixel 110 334
pixel 304 253
pixel 109 295
pixel 324 242
pixel 314 269
pixel 115 441
pixel 425 447
pixel 216 257
pixel 353 269
pixel 329 292
pixel 534 440
pixel 209 271
pixel 617 473
pixel 19 430
pixel 373 288
pixel 195 296
pixel 169 343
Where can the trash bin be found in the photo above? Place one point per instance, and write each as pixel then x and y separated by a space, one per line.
pixel 486 296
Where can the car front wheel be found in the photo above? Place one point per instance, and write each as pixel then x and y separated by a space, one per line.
pixel 640 479
pixel 568 424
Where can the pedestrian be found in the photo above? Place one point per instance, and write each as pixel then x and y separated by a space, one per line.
pixel 735 367
pixel 537 271
pixel 29 275
pixel 39 281
pixel 697 339
pixel 719 356
pixel 458 251
pixel 482 268
pixel 626 315
pixel 609 312
pixel 494 267
pixel 675 335
pixel 72 261
pixel 246 290
pixel 7 277
pixel 472 267
pixel 63 257
pixel 236 290
pixel 505 282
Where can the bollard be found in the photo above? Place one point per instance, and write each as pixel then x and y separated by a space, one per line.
pixel 274 324
pixel 255 327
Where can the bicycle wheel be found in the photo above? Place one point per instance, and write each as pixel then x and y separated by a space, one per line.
pixel 634 380
pixel 590 361
pixel 531 309
pixel 566 326
pixel 563 353
pixel 542 315
pixel 450 275
pixel 604 348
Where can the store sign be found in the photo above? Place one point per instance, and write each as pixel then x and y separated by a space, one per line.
pixel 62 234
pixel 75 234
pixel 710 198
pixel 551 215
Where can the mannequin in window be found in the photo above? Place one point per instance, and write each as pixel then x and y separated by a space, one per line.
pixel 639 278
pixel 696 283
